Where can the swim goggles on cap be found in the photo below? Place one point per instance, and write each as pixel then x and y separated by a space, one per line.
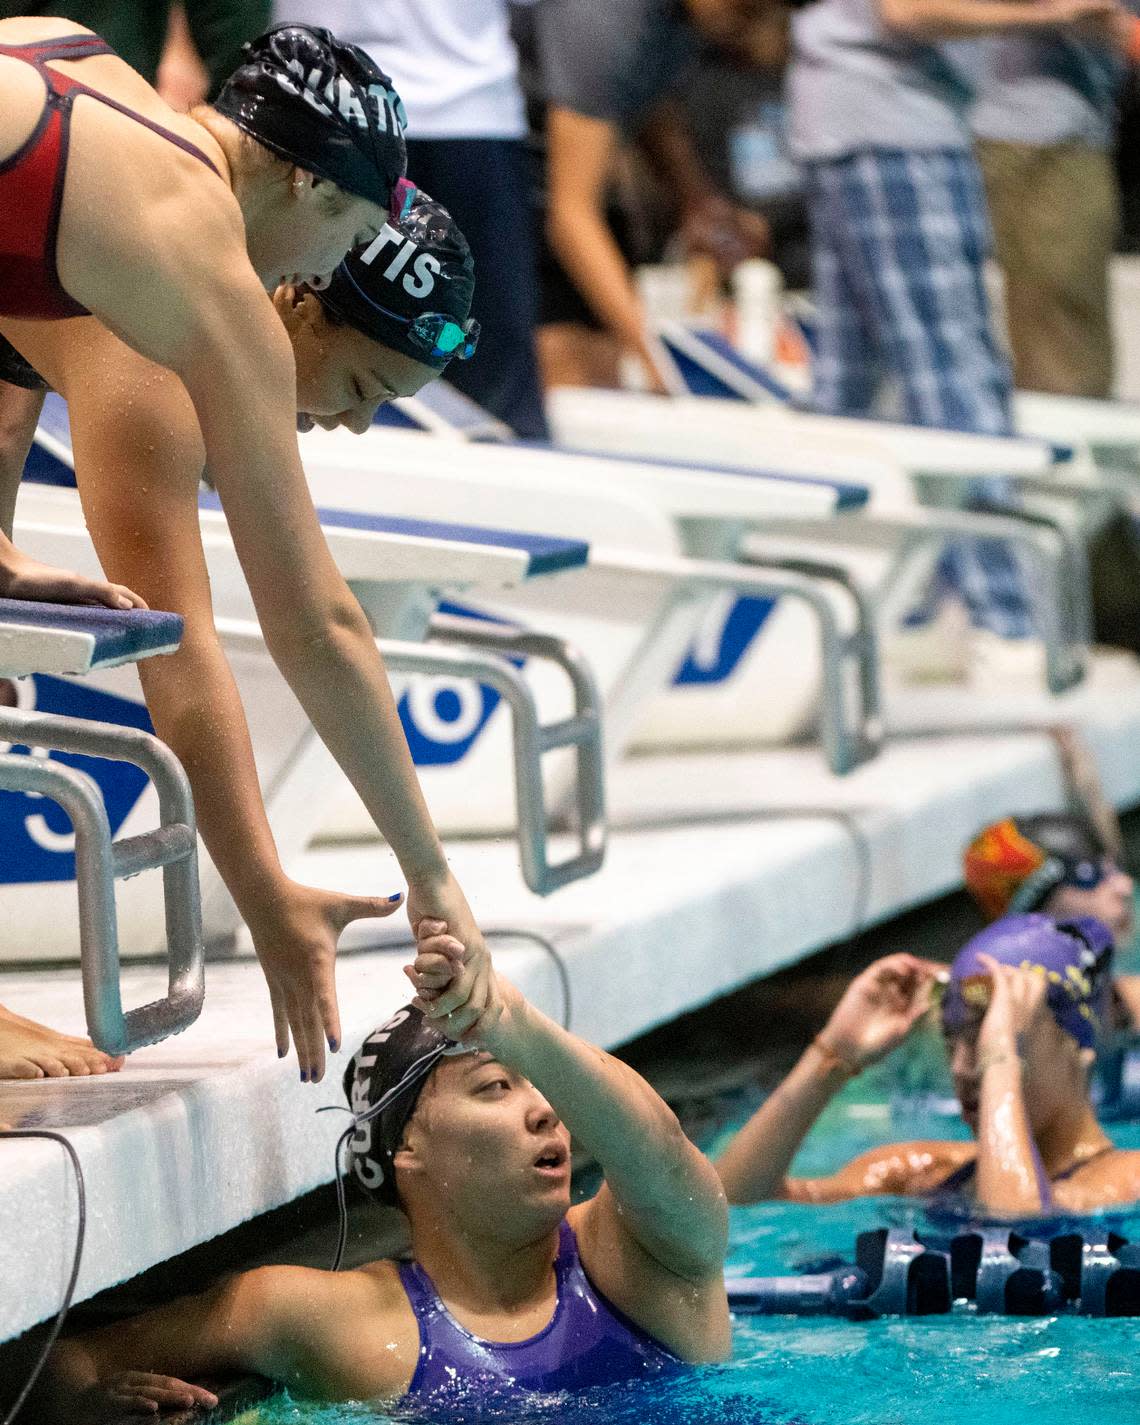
pixel 1056 871
pixel 438 336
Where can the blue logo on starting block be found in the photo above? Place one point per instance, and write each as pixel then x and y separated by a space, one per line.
pixel 443 717
pixel 36 834
pixel 717 652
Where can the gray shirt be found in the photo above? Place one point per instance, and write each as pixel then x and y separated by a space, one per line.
pixel 854 85
pixel 1046 88
pixel 612 59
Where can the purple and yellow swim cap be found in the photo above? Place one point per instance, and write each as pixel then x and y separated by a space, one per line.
pixel 1075 957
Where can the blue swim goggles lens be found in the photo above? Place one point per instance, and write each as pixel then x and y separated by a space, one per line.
pixel 441 336
pixel 1087 875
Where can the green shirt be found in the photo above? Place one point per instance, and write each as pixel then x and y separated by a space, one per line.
pixel 136 29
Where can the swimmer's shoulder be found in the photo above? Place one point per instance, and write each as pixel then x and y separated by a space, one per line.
pixel 28 29
pixel 1108 1180
pixel 910 1169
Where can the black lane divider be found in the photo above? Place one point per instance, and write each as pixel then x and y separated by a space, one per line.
pixel 988 1269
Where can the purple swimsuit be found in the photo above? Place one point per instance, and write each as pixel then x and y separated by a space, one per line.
pixel 587 1343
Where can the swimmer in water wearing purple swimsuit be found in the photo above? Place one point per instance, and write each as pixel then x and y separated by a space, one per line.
pixel 1023 1008
pixel 510 1288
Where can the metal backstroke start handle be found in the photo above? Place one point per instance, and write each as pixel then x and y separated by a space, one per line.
pixel 100 861
pixel 472 648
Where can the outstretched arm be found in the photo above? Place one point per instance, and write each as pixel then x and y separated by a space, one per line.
pixel 296 1326
pixel 877 1012
pixel 953 19
pixel 138 460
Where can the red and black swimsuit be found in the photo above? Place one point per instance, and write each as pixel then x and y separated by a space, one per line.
pixel 31 183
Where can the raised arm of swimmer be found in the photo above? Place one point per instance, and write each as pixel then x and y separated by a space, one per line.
pixel 878 1010
pixel 661 1196
pixel 1011 1178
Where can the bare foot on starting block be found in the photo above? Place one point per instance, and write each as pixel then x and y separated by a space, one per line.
pixel 33 1051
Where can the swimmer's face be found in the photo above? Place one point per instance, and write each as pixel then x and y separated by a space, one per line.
pixel 342 375
pixel 1053 1070
pixel 485 1149
pixel 1110 902
pixel 308 229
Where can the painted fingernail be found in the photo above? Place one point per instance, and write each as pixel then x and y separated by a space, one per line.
pixel 334 1044
pixel 399 896
pixel 281 1053
pixel 304 1076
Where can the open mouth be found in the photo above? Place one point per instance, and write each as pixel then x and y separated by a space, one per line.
pixel 552 1159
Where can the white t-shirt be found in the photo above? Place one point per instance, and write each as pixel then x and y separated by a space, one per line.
pixel 452 61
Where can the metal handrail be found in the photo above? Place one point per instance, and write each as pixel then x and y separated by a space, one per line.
pixel 850 723
pixel 863 644
pixel 1064 609
pixel 100 861
pixel 470 648
pixel 531 739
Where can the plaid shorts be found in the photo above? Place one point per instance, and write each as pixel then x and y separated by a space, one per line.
pixel 899 241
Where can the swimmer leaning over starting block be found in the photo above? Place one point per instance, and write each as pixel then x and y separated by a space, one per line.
pixel 368 336
pixel 166 226
pixel 510 1289
pixel 1021 1011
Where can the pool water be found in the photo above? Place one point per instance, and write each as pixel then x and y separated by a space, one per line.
pixel 830 1372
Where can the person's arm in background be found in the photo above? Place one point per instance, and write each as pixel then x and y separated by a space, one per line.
pixel 961 19
pixel 711 224
pixel 1085 789
pixel 580 156
pixel 1011 1177
pixel 878 1010
pixel 181 80
pixel 1087 797
pixel 219 28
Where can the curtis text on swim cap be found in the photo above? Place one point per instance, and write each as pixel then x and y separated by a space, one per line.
pixel 411 287
pixel 323 105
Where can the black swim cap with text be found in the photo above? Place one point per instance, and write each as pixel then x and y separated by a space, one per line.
pixel 324 105
pixel 421 264
pixel 390 1069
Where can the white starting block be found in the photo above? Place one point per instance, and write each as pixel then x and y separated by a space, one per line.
pixel 401 569
pixel 744 677
pixel 1086 442
pixel 39 639
pixel 664 546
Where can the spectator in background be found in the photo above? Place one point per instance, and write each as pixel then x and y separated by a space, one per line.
pixel 1043 123
pixel 607 70
pixel 900 235
pixel 456 68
